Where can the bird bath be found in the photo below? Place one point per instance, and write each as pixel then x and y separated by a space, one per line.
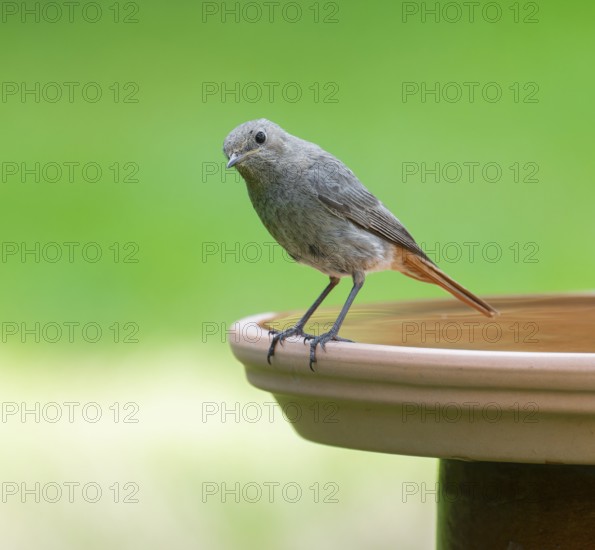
pixel 507 404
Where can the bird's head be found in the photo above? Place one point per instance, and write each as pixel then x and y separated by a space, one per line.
pixel 254 145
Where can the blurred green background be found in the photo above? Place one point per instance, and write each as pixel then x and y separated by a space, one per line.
pixel 183 254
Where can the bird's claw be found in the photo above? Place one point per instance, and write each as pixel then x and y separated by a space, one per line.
pixel 322 340
pixel 280 336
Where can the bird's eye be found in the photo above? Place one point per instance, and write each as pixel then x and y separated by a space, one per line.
pixel 260 138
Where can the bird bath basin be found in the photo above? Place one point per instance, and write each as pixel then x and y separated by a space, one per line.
pixel 506 403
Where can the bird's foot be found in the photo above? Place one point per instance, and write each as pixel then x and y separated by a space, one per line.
pixel 322 341
pixel 280 336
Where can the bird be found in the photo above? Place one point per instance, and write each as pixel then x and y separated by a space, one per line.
pixel 315 207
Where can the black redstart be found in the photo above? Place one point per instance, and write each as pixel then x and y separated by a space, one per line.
pixel 317 209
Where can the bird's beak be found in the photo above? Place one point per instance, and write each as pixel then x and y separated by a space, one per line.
pixel 234 159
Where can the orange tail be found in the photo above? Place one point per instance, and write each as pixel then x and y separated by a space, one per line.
pixel 424 270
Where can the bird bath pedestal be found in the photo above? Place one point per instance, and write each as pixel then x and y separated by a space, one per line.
pixel 507 404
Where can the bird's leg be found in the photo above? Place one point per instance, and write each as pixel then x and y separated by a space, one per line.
pixel 298 328
pixel 358 282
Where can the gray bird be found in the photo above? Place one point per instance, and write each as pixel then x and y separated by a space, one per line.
pixel 317 209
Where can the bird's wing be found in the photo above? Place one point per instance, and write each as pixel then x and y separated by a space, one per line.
pixel 339 190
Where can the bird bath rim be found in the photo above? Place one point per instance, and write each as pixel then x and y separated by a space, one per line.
pixel 381 391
